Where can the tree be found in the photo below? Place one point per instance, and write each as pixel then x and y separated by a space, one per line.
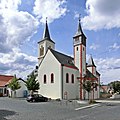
pixel 87 85
pixel 115 85
pixel 14 85
pixel 32 84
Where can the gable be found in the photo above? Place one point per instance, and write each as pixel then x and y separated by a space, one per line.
pixel 49 59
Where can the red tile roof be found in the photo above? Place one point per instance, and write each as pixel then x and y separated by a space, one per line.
pixel 5 79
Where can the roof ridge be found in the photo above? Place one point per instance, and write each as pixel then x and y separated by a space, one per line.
pixel 62 53
pixel 7 75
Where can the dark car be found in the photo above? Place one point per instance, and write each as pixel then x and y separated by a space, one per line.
pixel 36 98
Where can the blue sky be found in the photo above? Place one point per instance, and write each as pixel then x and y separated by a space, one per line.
pixel 22 26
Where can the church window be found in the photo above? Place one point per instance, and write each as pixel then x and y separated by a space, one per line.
pixel 77 48
pixel 67 78
pixel 72 78
pixel 83 48
pixel 52 78
pixel 77 38
pixel 41 51
pixel 45 80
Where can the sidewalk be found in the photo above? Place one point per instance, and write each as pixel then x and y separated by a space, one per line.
pixel 109 101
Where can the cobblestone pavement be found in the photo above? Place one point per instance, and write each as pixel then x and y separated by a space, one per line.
pixel 19 109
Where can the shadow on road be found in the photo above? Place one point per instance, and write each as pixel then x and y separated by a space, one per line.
pixel 6 113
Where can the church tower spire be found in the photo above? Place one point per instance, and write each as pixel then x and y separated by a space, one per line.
pixel 79 31
pixel 46 34
pixel 91 62
pixel 91 66
pixel 45 43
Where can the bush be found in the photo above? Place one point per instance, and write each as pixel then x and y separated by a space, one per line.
pixel 92 102
pixel 105 95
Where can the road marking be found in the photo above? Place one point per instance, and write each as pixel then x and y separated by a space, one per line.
pixel 78 117
pixel 88 106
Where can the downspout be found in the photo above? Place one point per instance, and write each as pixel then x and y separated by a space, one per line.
pixel 62 81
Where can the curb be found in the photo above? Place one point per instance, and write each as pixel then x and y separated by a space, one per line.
pixel 108 101
pixel 88 106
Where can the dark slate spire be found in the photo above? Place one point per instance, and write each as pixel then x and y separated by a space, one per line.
pixel 46 34
pixel 79 31
pixel 91 62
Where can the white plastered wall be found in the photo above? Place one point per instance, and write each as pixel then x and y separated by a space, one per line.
pixel 72 89
pixel 48 66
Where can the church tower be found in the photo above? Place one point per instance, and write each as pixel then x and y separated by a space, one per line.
pixel 80 55
pixel 45 43
pixel 80 50
pixel 91 66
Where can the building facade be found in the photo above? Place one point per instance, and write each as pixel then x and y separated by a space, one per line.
pixel 4 81
pixel 62 76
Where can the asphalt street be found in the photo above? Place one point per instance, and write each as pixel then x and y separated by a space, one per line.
pixel 19 109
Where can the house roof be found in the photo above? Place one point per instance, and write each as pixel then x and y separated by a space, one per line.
pixel 105 88
pixel 63 59
pixel 5 79
pixel 97 73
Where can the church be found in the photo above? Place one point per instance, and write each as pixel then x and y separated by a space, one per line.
pixel 62 76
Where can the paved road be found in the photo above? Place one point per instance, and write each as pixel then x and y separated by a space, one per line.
pixel 15 109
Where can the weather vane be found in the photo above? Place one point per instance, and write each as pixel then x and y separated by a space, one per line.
pixel 79 17
pixel 46 19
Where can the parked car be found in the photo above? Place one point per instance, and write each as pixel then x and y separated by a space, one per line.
pixel 36 98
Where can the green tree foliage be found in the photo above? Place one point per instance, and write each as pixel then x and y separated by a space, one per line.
pixel 14 85
pixel 32 84
pixel 115 85
pixel 87 85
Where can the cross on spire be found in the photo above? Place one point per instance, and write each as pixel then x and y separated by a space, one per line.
pixel 79 31
pixel 79 17
pixel 46 19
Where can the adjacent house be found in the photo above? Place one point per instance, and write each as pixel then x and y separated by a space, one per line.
pixel 4 81
pixel 6 91
pixel 22 92
pixel 62 76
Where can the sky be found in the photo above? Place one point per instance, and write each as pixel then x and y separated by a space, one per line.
pixel 22 26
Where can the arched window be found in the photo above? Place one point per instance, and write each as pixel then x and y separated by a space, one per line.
pixel 67 78
pixel 41 51
pixel 52 78
pixel 77 48
pixel 83 49
pixel 45 80
pixel 72 78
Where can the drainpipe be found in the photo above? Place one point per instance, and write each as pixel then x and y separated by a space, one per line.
pixel 62 80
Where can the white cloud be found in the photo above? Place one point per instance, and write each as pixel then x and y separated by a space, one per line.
pixel 94 46
pixel 76 14
pixel 16 26
pixel 109 69
pixel 115 47
pixel 17 63
pixel 9 4
pixel 53 9
pixel 102 14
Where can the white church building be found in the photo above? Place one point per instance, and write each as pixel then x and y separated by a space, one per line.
pixel 62 76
